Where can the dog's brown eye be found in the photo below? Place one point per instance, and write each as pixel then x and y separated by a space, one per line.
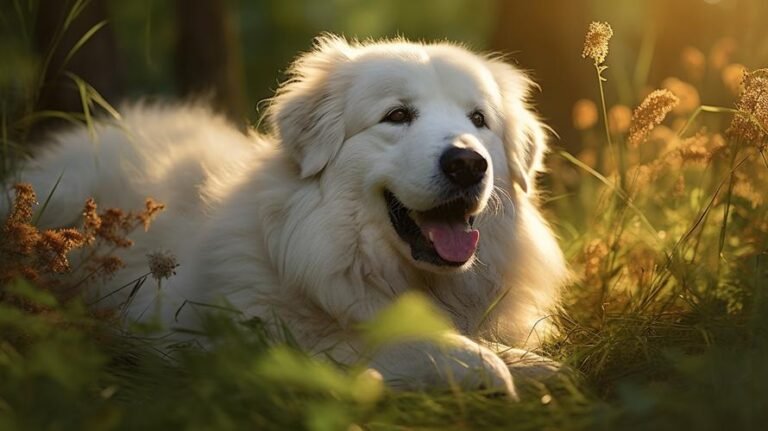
pixel 478 119
pixel 399 116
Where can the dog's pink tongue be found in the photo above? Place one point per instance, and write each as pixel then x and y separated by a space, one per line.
pixel 452 242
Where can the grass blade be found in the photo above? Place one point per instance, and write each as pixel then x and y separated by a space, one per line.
pixel 616 189
pixel 82 41
pixel 47 200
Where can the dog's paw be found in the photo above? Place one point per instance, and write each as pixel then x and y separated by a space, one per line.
pixel 533 373
pixel 454 363
pixel 529 365
pixel 475 367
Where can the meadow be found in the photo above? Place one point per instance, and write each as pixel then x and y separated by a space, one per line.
pixel 662 214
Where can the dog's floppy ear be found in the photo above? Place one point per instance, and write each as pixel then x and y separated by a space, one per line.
pixel 525 137
pixel 307 110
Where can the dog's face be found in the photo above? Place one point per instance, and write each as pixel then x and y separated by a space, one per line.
pixel 424 135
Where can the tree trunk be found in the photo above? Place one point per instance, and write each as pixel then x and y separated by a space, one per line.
pixel 208 58
pixel 96 62
pixel 538 34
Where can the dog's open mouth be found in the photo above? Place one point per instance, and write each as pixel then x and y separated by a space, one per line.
pixel 441 236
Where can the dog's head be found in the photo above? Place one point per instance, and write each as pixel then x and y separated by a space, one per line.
pixel 423 135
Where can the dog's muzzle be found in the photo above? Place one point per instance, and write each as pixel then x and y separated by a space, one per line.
pixel 443 235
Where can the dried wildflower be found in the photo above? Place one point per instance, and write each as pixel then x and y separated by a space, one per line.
pixel 54 245
pixel 91 220
pixel 162 264
pixel 28 273
pixel 114 226
pixel 151 209
pixel 105 266
pixel 23 204
pixel 754 103
pixel 732 76
pixel 619 118
pixel 721 52
pixel 693 62
pixel 596 41
pixel 40 256
pixel 650 114
pixel 687 93
pixel 584 114
pixel 641 176
pixel 20 238
pixel 28 252
pixel 694 150
pixel 699 149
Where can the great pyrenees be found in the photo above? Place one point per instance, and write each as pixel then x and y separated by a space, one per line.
pixel 389 167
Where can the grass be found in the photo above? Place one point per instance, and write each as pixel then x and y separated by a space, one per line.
pixel 665 327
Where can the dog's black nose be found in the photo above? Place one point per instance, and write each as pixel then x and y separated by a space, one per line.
pixel 463 167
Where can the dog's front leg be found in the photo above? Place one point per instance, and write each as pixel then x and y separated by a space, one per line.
pixel 452 362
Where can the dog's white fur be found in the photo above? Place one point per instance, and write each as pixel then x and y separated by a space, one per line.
pixel 293 224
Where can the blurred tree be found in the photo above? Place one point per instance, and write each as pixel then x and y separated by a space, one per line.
pixel 536 32
pixel 96 61
pixel 208 57
pixel 728 29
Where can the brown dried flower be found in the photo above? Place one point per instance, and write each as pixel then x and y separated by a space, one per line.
pixel 23 205
pixel 753 103
pixel 596 41
pixel 650 114
pixel 114 226
pixel 91 220
pixel 694 150
pixel 151 209
pixel 641 176
pixel 54 245
pixel 28 252
pixel 35 255
pixel 162 264
pixel 106 266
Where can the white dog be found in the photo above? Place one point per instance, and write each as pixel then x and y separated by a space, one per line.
pixel 390 167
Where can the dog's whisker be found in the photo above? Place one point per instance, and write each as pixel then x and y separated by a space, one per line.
pixel 504 193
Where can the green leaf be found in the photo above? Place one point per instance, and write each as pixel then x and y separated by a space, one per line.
pixel 412 317
pixel 37 296
pixel 40 213
pixel 82 41
pixel 293 369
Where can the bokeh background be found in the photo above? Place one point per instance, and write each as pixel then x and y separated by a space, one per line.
pixel 235 51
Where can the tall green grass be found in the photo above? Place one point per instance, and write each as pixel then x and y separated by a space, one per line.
pixel 22 84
